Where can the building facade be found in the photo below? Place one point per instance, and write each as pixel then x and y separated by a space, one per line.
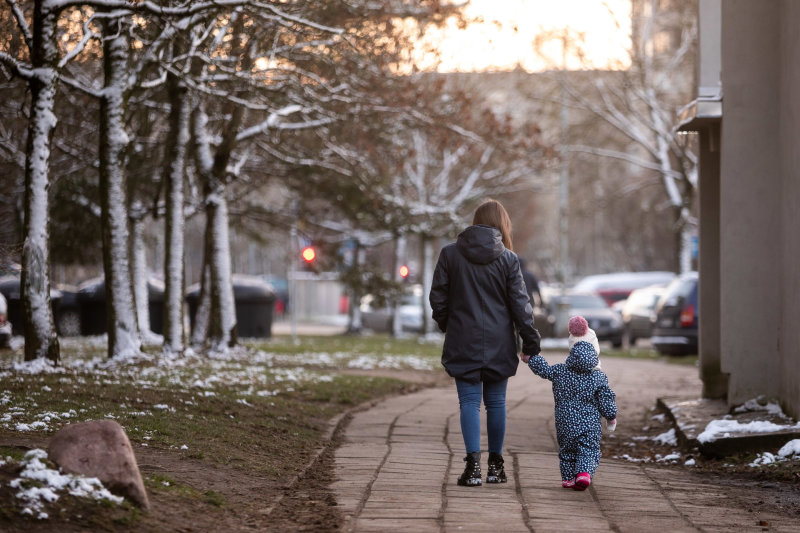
pixel 747 114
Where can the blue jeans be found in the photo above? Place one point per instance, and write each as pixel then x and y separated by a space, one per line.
pixel 469 399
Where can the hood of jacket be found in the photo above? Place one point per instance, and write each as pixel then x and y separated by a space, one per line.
pixel 582 357
pixel 480 244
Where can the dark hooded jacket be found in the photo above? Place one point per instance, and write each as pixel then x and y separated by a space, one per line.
pixel 480 302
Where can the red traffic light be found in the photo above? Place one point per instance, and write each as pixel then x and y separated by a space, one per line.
pixel 404 271
pixel 309 254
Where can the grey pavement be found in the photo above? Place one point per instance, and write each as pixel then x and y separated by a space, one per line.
pixel 397 468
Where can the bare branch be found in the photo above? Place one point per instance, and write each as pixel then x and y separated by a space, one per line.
pixel 19 16
pixel 18 68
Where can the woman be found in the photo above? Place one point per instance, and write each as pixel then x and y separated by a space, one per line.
pixel 478 296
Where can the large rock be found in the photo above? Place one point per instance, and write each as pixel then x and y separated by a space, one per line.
pixel 101 449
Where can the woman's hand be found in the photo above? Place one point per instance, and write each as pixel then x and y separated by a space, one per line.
pixel 525 358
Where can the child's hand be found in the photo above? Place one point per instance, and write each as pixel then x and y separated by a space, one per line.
pixel 612 425
pixel 525 358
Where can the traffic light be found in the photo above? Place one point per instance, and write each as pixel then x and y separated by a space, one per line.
pixel 309 254
pixel 404 271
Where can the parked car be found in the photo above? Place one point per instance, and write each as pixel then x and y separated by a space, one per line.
pixel 379 318
pixel 675 328
pixel 618 285
pixel 638 313
pixel 605 322
pixel 5 325
pixel 281 288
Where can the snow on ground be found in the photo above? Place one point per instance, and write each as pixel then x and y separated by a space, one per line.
pixel 247 372
pixel 38 485
pixel 727 428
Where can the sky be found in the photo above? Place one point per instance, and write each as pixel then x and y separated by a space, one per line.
pixel 502 37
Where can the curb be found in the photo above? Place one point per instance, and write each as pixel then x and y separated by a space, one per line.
pixel 691 416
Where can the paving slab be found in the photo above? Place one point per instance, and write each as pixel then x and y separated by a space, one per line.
pixel 397 468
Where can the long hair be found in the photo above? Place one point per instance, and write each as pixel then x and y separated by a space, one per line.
pixel 492 213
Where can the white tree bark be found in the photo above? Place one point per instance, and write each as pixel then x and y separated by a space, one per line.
pixel 40 333
pixel 222 326
pixel 174 339
pixel 399 254
pixel 202 312
pixel 123 331
pixel 140 289
pixel 427 282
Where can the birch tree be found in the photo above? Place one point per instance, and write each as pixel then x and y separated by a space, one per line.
pixel 641 103
pixel 42 78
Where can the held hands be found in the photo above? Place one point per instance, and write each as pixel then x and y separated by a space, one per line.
pixel 525 358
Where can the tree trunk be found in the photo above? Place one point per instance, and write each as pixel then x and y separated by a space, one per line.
pixel 140 289
pixel 203 307
pixel 399 254
pixel 40 332
pixel 178 140
pixel 427 281
pixel 356 324
pixel 222 331
pixel 123 333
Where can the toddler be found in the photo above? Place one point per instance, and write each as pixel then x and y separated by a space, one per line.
pixel 582 396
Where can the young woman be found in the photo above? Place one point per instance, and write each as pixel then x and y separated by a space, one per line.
pixel 480 302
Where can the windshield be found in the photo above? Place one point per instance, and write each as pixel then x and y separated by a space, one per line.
pixel 583 301
pixel 586 301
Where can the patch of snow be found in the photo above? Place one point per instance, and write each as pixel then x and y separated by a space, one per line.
pixel 790 448
pixel 757 404
pixel 726 428
pixel 37 484
pixel 667 438
pixel 40 365
pixel 690 462
pixel 554 343
pixel 765 458
pixel 634 459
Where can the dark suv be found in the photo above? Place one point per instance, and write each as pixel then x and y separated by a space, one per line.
pixel 675 329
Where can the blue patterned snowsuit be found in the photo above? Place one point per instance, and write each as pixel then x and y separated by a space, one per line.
pixel 581 396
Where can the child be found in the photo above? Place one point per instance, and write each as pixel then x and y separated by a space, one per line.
pixel 582 396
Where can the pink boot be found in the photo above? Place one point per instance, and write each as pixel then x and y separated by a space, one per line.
pixel 582 481
pixel 568 484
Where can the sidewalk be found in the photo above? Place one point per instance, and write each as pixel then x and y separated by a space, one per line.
pixel 397 469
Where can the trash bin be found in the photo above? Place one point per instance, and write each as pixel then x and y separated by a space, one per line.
pixel 10 287
pixel 255 301
pixel 92 306
pixel 67 313
pixel 155 305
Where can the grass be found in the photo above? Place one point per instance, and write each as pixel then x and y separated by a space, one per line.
pixel 262 409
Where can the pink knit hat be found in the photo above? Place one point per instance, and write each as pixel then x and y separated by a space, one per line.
pixel 578 326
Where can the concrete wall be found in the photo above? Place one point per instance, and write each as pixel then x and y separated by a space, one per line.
pixel 790 193
pixel 715 382
pixel 751 200
pixel 710 58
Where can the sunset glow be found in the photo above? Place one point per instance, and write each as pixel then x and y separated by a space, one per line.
pixel 503 36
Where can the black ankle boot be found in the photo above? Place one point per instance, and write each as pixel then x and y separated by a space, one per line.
pixel 496 473
pixel 472 471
